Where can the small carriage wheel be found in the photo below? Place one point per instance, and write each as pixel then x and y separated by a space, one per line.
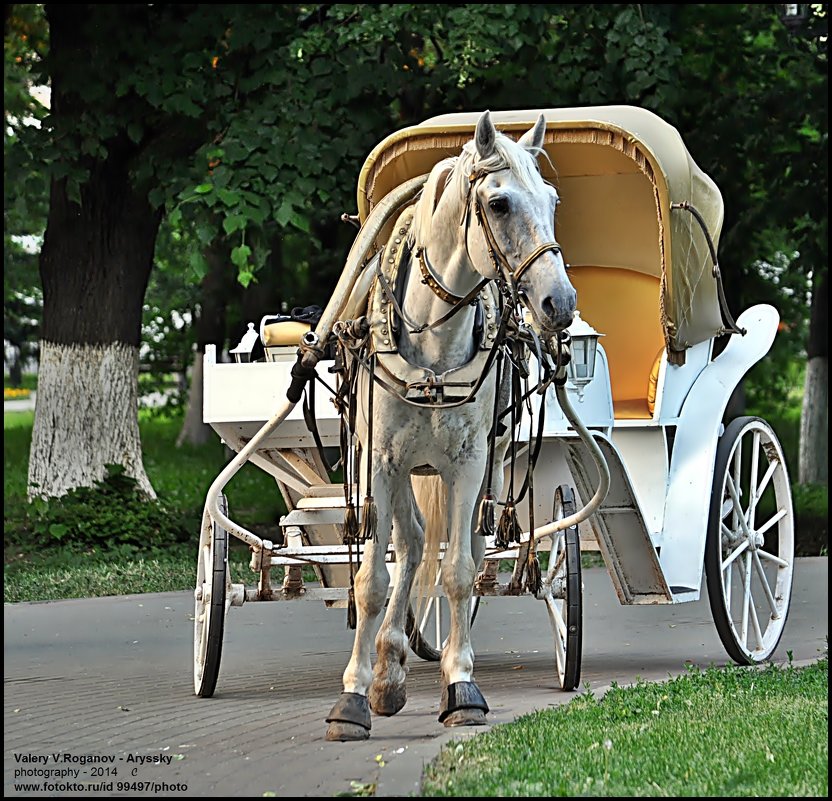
pixel 427 639
pixel 563 591
pixel 212 583
pixel 749 552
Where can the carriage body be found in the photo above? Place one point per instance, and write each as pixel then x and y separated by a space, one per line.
pixel 644 271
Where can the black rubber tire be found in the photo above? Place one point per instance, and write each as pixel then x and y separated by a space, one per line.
pixel 206 682
pixel 570 677
pixel 420 645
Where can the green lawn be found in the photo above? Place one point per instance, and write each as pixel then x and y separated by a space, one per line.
pixel 181 477
pixel 729 732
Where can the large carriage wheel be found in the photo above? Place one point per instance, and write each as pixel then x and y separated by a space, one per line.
pixel 749 553
pixel 212 589
pixel 428 637
pixel 563 592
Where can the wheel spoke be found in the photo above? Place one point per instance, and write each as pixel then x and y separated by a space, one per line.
pixel 738 514
pixel 755 621
pixel 767 477
pixel 766 589
pixel 735 553
pixel 752 482
pixel 728 572
pixel 769 523
pixel 772 558
pixel 746 601
pixel 734 479
pixel 560 626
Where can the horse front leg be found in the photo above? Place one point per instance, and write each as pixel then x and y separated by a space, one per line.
pixel 349 719
pixel 462 702
pixel 388 693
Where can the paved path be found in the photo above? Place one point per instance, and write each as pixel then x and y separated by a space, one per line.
pixel 110 677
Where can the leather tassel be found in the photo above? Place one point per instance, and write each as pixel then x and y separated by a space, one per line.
pixel 508 529
pixel 350 525
pixel 534 579
pixel 352 614
pixel 369 520
pixel 487 516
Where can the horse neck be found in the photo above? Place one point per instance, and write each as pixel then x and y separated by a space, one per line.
pixel 451 344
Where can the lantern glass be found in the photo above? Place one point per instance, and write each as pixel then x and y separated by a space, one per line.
pixel 581 368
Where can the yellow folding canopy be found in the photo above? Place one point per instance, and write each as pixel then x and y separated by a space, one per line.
pixel 618 170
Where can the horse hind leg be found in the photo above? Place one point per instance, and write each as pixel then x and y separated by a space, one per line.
pixel 388 692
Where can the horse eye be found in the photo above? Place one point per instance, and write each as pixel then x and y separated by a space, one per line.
pixel 499 205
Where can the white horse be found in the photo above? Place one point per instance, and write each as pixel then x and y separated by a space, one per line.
pixel 484 216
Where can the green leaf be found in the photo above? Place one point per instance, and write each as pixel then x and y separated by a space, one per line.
pixel 203 189
pixel 58 530
pixel 240 254
pixel 235 222
pixel 228 197
pixel 245 277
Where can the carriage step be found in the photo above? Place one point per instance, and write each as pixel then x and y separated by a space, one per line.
pixel 618 524
pixel 315 516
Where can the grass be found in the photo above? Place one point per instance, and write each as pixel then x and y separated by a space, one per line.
pixel 729 732
pixel 181 477
pixel 69 571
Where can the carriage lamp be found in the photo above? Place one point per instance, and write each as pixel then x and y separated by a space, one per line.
pixel 581 367
pixel 242 353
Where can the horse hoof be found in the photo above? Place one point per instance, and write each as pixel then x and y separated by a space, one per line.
pixel 466 717
pixel 462 704
pixel 388 701
pixel 341 732
pixel 349 719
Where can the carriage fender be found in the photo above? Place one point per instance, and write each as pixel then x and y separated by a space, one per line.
pixel 699 427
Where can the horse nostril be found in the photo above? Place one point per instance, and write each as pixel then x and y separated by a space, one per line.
pixel 559 314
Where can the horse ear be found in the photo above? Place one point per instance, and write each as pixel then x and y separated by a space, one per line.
pixel 533 138
pixel 485 137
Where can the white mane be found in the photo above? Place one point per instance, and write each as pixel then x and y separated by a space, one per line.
pixel 453 173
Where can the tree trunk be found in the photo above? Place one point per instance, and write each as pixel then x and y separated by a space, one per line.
pixel 814 416
pixel 210 330
pixel 94 266
pixel 16 367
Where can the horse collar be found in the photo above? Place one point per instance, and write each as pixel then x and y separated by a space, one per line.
pixel 415 383
pixel 429 278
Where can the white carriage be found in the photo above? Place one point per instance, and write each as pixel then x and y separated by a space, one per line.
pixel 684 492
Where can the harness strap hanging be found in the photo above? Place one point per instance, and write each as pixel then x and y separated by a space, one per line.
pixel 369 513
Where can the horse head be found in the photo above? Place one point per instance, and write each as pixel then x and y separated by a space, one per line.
pixel 516 212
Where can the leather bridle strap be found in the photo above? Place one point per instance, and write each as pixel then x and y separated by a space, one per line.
pixel 498 258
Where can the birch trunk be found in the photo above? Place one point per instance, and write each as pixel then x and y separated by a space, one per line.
pixel 814 424
pixel 94 266
pixel 85 418
pixel 813 460
pixel 194 431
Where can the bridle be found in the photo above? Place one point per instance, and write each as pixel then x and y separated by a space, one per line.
pixel 507 276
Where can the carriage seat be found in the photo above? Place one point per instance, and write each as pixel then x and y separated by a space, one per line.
pixel 280 336
pixel 623 304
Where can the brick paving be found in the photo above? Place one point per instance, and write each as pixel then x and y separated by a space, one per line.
pixel 112 677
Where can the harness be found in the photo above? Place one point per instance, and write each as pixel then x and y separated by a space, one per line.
pixel 502 338
pixel 410 382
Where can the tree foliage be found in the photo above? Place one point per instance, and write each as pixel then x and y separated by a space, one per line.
pixel 249 123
